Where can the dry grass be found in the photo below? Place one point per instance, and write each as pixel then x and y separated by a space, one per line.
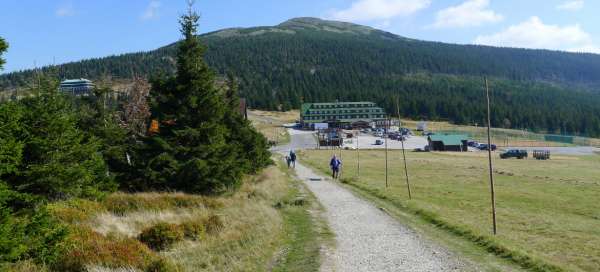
pixel 237 232
pixel 270 124
pixel 251 233
pixel 547 210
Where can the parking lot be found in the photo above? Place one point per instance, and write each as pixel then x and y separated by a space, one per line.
pixel 367 141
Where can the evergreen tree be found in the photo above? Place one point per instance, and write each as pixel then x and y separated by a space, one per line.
pixel 250 144
pixel 49 156
pixel 3 47
pixel 190 152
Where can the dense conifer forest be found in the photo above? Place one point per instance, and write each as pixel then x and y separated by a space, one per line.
pixel 312 60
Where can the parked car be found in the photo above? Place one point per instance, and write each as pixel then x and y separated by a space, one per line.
pixel 378 142
pixel 378 134
pixel 473 144
pixel 485 147
pixel 514 153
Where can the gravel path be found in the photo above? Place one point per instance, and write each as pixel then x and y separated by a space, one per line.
pixel 368 239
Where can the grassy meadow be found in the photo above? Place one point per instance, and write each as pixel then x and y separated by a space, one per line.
pixel 500 136
pixel 270 124
pixel 548 211
pixel 270 224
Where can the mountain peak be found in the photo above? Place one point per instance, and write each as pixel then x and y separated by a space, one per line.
pixel 321 24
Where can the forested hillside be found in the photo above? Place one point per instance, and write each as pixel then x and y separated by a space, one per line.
pixel 308 59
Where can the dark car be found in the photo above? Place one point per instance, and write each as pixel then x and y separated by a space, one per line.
pixel 472 143
pixel 485 147
pixel 514 153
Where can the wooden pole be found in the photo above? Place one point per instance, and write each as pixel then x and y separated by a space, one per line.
pixel 357 157
pixel 489 124
pixel 386 153
pixel 403 152
pixel 341 151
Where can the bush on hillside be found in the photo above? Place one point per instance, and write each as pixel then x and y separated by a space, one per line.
pixel 161 236
pixel 193 229
pixel 162 265
pixel 86 247
pixel 121 203
pixel 30 233
pixel 213 224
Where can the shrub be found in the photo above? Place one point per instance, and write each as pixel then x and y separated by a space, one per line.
pixel 23 266
pixel 121 203
pixel 193 229
pixel 29 233
pixel 161 236
pixel 162 265
pixel 213 224
pixel 86 247
pixel 75 210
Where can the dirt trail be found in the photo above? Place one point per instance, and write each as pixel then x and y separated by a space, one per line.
pixel 368 239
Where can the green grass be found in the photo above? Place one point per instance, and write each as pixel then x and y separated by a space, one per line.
pixel 305 233
pixel 548 211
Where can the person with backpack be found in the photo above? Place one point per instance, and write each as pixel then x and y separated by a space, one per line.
pixel 335 165
pixel 293 158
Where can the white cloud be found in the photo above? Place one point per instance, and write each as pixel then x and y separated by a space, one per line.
pixel 379 10
pixel 151 11
pixel 469 13
pixel 533 33
pixel 571 5
pixel 65 11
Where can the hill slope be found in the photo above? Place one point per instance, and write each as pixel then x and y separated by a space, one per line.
pixel 308 59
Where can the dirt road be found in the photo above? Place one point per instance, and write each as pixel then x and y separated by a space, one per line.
pixel 368 239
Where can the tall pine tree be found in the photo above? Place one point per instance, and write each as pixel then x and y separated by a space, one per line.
pixel 3 47
pixel 251 144
pixel 190 152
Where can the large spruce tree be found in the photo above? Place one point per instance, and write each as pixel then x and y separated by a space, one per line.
pixel 3 47
pixel 190 152
pixel 251 144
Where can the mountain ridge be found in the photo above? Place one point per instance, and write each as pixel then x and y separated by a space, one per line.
pixel 308 59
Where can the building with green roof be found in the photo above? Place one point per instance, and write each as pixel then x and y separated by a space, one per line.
pixel 445 142
pixel 341 114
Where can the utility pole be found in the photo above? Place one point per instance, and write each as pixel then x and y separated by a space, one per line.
pixel 489 124
pixel 403 152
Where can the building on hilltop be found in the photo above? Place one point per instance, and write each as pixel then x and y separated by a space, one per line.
pixel 77 87
pixel 342 114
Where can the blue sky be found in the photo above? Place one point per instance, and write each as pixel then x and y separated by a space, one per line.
pixel 42 32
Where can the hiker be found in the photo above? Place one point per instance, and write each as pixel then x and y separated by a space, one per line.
pixel 288 160
pixel 335 165
pixel 292 159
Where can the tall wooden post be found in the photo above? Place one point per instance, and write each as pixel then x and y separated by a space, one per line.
pixel 357 157
pixel 386 152
pixel 489 124
pixel 341 150
pixel 403 151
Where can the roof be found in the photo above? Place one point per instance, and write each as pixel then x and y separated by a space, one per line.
pixel 448 139
pixel 81 80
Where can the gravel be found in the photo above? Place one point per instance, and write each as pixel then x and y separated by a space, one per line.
pixel 367 239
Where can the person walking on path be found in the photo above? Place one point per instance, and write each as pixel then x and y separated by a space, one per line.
pixel 292 159
pixel 288 160
pixel 335 165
